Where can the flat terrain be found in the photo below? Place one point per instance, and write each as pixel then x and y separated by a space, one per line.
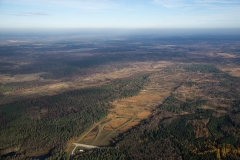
pixel 129 112
pixel 78 82
pixel 94 92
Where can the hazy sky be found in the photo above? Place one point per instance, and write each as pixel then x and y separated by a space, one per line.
pixel 119 14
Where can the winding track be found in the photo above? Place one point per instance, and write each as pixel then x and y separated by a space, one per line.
pixel 84 146
pixel 101 126
pixel 99 132
pixel 126 123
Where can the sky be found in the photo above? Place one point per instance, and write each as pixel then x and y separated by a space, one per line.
pixel 45 14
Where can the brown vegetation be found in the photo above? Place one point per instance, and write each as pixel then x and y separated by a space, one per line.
pixel 103 76
pixel 129 112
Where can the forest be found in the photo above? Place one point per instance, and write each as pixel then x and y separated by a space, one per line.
pixel 200 134
pixel 47 123
pixel 54 91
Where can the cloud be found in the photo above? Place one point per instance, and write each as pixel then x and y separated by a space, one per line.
pixel 172 3
pixel 25 13
pixel 218 1
pixel 93 5
pixel 34 14
pixel 196 3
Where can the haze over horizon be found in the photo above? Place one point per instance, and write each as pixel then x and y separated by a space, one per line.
pixel 158 14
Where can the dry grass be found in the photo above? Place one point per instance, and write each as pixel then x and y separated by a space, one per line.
pixel 78 82
pixel 129 112
pixel 144 114
pixel 226 55
pixel 232 70
pixel 129 125
pixel 207 107
pixel 115 124
pixel 184 92
pixel 20 78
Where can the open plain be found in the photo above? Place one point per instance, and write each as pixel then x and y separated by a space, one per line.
pixel 175 94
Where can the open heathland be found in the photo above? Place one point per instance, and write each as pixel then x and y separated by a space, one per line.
pixel 135 98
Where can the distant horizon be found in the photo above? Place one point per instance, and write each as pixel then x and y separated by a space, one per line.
pixel 122 31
